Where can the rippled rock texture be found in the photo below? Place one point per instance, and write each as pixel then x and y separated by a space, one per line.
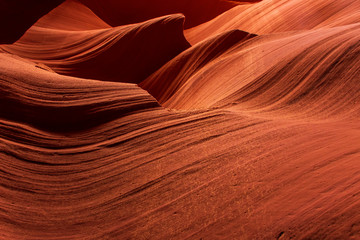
pixel 180 119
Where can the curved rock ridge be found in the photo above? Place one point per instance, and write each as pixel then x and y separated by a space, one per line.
pixel 16 16
pixel 118 13
pixel 122 54
pixel 71 15
pixel 312 73
pixel 269 16
pixel 173 75
pixel 155 168
pixel 249 137
pixel 32 95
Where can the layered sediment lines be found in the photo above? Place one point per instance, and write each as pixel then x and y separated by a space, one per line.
pixel 179 71
pixel 146 171
pixel 269 16
pixel 33 95
pixel 243 135
pixel 288 74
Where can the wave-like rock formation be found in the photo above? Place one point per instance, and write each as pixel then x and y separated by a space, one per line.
pixel 71 16
pixel 69 103
pixel 177 72
pixel 110 54
pixel 269 16
pixel 289 73
pixel 117 12
pixel 128 132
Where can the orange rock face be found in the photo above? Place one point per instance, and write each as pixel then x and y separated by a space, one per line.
pixel 116 123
